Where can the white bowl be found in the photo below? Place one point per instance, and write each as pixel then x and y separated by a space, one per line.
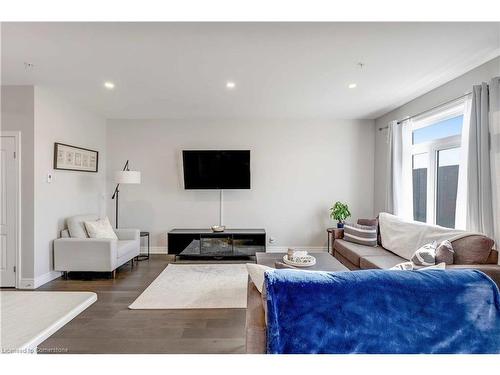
pixel 217 228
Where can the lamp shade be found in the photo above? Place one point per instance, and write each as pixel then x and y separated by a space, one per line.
pixel 128 177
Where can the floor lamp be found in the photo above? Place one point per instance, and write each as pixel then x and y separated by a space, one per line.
pixel 125 176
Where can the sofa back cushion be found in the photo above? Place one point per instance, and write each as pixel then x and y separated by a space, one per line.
pixel 493 257
pixel 368 222
pixel 473 249
pixel 65 233
pixel 76 225
pixel 360 234
pixel 404 237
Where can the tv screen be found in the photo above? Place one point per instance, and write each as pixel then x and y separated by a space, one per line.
pixel 221 169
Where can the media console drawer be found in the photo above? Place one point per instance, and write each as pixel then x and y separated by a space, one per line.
pixel 206 243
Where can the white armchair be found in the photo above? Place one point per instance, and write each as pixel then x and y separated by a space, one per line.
pixel 77 252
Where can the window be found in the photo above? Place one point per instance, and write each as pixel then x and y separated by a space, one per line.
pixel 419 177
pixel 435 158
pixel 447 186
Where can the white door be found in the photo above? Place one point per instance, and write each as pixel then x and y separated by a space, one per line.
pixel 8 203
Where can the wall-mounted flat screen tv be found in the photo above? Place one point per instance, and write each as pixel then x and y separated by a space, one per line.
pixel 216 169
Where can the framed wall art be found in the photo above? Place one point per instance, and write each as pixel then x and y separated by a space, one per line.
pixel 73 158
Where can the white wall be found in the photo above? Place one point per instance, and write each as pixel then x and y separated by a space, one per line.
pixel 18 115
pixel 70 193
pixel 299 168
pixel 448 91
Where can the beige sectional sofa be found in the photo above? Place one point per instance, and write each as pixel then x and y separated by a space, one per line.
pixel 470 252
pixel 474 251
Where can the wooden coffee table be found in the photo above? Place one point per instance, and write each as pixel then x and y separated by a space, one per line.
pixel 324 261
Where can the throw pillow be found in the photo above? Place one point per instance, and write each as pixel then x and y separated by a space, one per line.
pixel 361 234
pixel 426 255
pixel 405 266
pixel 256 272
pixel 375 223
pixel 445 252
pixel 100 229
pixel 409 266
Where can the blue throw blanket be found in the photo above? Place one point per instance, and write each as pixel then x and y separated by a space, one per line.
pixel 377 311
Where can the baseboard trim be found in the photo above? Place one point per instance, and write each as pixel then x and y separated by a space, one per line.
pixel 284 249
pixel 26 284
pixel 45 278
pixel 154 250
pixel 38 281
pixel 269 249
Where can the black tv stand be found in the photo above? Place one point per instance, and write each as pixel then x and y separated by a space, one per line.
pixel 207 244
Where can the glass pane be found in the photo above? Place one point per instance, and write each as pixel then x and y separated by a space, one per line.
pixel 420 165
pixel 442 129
pixel 447 185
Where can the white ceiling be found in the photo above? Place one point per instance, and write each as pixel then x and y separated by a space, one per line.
pixel 282 70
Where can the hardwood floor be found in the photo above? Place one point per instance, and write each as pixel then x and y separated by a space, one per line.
pixel 108 326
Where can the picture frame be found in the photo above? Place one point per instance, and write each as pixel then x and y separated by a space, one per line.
pixel 74 158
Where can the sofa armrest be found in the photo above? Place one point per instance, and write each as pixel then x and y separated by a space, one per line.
pixel 492 270
pixel 255 327
pixel 127 234
pixel 85 254
pixel 338 233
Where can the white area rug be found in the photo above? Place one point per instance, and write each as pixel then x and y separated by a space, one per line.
pixel 196 286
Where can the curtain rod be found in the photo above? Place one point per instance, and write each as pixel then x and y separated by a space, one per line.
pixel 428 110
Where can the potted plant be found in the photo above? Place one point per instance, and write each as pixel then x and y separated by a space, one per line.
pixel 340 212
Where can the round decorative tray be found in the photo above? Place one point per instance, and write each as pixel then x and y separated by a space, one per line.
pixel 306 261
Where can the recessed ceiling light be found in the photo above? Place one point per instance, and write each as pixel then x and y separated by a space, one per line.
pixel 352 85
pixel 109 85
pixel 230 85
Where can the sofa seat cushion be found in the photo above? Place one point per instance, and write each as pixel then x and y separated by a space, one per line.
pixel 346 262
pixel 125 247
pixel 353 251
pixel 386 261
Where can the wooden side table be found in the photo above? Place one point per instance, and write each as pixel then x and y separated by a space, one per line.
pixel 334 234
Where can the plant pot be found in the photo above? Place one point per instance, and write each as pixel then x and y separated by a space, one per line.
pixel 340 225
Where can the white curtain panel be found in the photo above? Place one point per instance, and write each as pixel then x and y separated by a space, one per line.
pixel 399 197
pixel 479 182
pixel 495 154
pixel 461 210
pixel 394 152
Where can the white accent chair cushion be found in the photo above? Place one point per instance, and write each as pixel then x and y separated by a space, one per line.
pixel 76 225
pixel 100 228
